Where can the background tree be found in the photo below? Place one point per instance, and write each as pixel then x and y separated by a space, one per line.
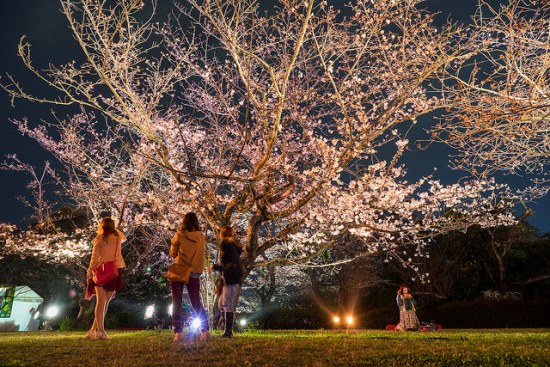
pixel 464 264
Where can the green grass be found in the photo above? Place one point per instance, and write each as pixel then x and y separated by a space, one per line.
pixel 282 348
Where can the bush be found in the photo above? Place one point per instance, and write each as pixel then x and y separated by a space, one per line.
pixel 379 318
pixel 69 324
pixel 480 313
pixel 293 318
pixel 483 313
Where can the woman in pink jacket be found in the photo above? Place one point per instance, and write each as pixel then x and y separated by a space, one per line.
pixel 106 248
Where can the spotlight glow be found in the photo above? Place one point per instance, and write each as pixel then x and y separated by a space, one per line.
pixel 196 323
pixel 149 311
pixel 52 312
pixel 242 322
pixel 336 319
pixel 349 320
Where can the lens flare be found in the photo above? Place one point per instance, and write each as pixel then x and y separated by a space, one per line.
pixel 52 312
pixel 149 311
pixel 196 323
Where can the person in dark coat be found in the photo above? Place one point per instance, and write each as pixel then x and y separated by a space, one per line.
pixel 232 274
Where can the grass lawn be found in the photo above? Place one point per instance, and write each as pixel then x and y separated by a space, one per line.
pixel 283 348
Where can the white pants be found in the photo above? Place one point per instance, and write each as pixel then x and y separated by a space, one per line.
pixel 229 292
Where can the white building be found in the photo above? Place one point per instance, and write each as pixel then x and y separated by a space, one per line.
pixel 19 308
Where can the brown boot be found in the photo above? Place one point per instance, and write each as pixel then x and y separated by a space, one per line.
pixel 205 335
pixel 178 337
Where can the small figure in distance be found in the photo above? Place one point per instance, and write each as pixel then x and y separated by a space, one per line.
pixel 408 321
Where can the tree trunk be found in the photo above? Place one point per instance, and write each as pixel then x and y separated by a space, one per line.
pixel 267 296
pixel 499 257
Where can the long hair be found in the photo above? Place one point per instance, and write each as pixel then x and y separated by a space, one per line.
pixel 190 223
pixel 106 227
pixel 400 291
pixel 227 234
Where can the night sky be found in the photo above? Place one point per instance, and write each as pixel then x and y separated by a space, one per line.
pixel 47 31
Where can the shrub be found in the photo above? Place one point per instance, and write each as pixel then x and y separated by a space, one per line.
pixel 293 318
pixel 69 324
pixel 489 313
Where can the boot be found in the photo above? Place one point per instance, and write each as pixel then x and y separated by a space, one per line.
pixel 205 335
pixel 228 325
pixel 178 337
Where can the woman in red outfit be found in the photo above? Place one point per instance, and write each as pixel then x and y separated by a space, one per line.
pixel 106 248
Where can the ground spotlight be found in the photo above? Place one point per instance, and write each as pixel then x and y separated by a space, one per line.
pixel 196 323
pixel 349 320
pixel 149 311
pixel 170 310
pixel 242 322
pixel 336 319
pixel 52 312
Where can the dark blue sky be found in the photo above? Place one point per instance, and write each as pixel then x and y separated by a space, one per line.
pixel 46 29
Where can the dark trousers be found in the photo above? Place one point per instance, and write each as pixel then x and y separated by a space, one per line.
pixel 193 291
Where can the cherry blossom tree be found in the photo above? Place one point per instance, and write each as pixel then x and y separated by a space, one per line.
pixel 289 124
pixel 502 119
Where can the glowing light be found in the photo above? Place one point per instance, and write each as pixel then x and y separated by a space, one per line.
pixel 349 320
pixel 242 322
pixel 149 311
pixel 170 309
pixel 336 319
pixel 196 323
pixel 52 312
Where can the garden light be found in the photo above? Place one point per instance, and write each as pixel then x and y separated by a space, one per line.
pixel 349 320
pixel 149 311
pixel 336 319
pixel 170 308
pixel 242 322
pixel 52 312
pixel 196 323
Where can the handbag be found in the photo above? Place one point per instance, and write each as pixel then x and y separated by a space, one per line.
pixel 104 273
pixel 178 272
